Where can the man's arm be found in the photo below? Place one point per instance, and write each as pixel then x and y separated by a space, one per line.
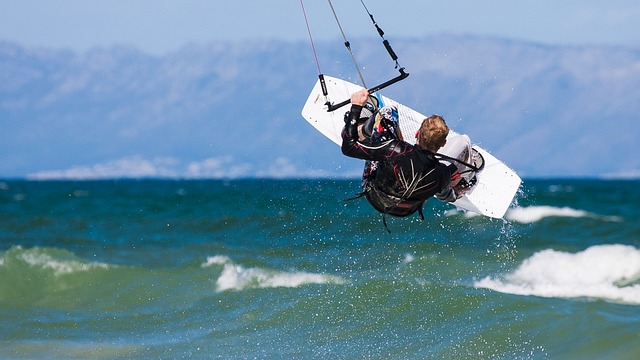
pixel 358 99
pixel 352 147
pixel 350 131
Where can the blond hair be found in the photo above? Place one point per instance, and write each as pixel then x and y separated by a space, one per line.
pixel 433 133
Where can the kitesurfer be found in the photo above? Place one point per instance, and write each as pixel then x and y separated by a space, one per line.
pixel 398 177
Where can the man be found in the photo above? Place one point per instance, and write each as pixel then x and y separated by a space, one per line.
pixel 399 177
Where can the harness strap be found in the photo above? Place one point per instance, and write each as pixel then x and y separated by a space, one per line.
pixel 385 209
pixel 357 196
pixel 384 218
pixel 472 167
pixel 384 221
pixel 384 214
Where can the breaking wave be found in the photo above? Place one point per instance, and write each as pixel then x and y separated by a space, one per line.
pixel 59 278
pixel 60 262
pixel 607 272
pixel 237 277
pixel 531 214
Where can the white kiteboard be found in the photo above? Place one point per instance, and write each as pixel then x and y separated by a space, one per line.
pixel 497 184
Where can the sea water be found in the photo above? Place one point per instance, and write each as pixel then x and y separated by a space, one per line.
pixel 286 269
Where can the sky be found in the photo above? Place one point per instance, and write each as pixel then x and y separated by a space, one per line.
pixel 162 26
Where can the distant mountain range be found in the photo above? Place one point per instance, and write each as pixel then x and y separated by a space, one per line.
pixel 230 110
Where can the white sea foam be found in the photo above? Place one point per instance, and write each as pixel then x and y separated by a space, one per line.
pixel 237 277
pixel 608 272
pixel 531 214
pixel 458 211
pixel 408 258
pixel 38 258
pixel 216 260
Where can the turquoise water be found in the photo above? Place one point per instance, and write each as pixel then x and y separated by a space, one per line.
pixel 266 269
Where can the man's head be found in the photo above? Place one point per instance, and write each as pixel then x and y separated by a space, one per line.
pixel 433 133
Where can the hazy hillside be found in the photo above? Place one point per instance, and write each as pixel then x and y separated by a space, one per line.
pixel 234 109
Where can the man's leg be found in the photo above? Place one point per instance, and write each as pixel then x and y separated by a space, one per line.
pixel 458 147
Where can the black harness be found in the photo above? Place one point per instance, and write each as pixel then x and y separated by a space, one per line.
pixel 399 207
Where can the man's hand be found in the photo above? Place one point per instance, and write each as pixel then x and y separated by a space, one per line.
pixel 360 97
pixel 455 179
pixel 458 190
